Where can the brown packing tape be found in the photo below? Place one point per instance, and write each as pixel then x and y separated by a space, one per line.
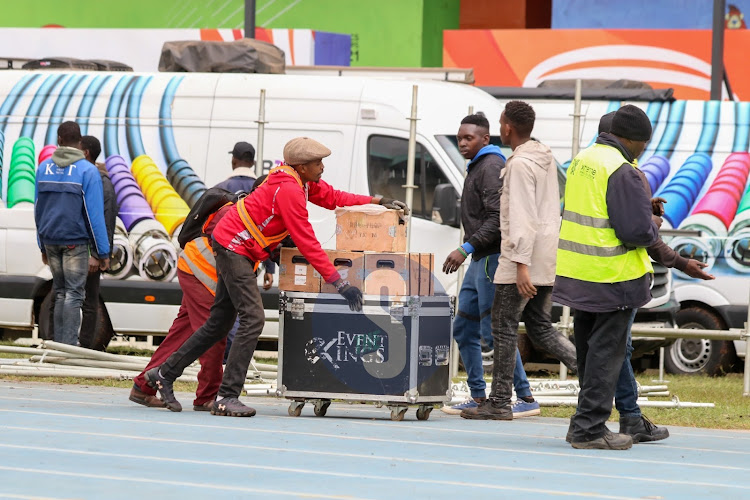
pixel 427 274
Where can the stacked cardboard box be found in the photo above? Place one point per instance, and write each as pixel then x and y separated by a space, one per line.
pixel 371 244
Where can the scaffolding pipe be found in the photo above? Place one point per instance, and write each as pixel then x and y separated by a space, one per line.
pixel 410 161
pixel 261 133
pixel 32 351
pixel 91 354
pixel 575 146
pixel 675 403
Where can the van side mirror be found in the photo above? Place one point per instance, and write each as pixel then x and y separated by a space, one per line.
pixel 446 206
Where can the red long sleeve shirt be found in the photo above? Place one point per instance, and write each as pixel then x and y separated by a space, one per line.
pixel 279 205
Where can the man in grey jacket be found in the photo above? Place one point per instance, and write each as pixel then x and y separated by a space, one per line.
pixel 529 226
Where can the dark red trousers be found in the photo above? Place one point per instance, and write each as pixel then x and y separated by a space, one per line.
pixel 194 311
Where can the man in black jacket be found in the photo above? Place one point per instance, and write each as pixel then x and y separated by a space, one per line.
pixel 480 216
pixel 87 337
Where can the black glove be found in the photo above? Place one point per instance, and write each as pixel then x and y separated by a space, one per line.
pixel 352 294
pixel 395 205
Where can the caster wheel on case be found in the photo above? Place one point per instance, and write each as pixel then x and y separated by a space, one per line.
pixel 321 407
pixel 397 413
pixel 295 408
pixel 423 412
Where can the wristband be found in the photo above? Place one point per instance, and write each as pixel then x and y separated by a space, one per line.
pixel 463 252
pixel 342 285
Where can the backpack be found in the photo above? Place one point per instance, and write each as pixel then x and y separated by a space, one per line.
pixel 208 204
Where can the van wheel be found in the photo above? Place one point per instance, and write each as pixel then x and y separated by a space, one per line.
pixel 102 335
pixel 699 356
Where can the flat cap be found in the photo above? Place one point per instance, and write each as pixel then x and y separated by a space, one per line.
pixel 303 149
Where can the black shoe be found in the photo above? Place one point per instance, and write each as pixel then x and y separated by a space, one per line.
pixel 486 411
pixel 642 429
pixel 608 441
pixel 231 407
pixel 569 435
pixel 164 386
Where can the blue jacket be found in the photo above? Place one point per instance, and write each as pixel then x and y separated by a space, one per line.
pixel 69 206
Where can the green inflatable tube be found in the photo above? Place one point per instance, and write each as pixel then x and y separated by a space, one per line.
pixel 21 186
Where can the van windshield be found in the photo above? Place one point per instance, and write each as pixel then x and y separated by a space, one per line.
pixel 450 145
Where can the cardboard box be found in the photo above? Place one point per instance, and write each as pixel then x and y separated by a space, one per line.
pixel 421 274
pixel 296 274
pixel 370 228
pixel 351 267
pixel 386 274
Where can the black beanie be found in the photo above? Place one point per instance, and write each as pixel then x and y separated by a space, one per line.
pixel 631 122
pixel 605 122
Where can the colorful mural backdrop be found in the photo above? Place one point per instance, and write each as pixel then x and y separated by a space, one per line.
pixel 141 48
pixel 664 14
pixel 680 59
pixel 405 33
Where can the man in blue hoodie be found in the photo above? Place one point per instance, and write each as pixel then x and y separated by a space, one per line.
pixel 69 212
pixel 480 216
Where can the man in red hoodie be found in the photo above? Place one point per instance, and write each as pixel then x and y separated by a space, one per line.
pixel 245 236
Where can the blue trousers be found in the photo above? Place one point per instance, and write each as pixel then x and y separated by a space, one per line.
pixel 474 322
pixel 69 265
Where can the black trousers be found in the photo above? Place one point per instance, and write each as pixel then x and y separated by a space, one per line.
pixel 236 294
pixel 90 310
pixel 600 349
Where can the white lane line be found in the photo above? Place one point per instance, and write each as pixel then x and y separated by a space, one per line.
pixel 546 471
pixel 67 401
pixel 27 497
pixel 265 431
pixel 317 473
pixel 135 479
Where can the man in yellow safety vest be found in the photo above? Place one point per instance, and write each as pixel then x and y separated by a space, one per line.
pixel 603 267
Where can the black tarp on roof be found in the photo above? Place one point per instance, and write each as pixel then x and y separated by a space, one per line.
pixel 591 90
pixel 240 56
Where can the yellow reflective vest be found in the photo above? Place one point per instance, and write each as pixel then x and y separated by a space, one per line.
pixel 588 249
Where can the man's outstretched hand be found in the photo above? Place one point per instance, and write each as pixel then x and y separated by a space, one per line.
pixel 695 268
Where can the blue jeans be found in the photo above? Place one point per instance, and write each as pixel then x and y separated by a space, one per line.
pixel 626 392
pixel 69 265
pixel 474 321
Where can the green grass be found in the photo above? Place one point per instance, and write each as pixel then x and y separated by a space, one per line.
pixel 731 411
pixel 9 355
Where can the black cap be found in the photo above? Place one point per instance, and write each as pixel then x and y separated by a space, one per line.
pixel 605 122
pixel 631 122
pixel 243 151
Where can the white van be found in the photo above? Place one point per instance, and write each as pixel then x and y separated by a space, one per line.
pixel 698 158
pixel 198 118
